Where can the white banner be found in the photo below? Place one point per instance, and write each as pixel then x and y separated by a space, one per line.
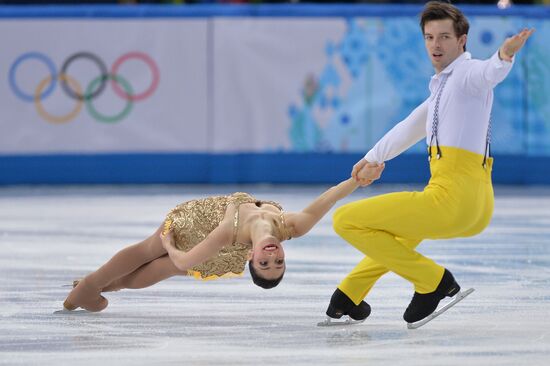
pixel 261 66
pixel 234 84
pixel 118 86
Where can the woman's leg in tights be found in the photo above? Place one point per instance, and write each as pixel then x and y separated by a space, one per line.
pixel 87 294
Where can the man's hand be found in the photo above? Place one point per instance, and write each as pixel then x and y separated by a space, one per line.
pixel 369 173
pixel 513 44
pixel 365 173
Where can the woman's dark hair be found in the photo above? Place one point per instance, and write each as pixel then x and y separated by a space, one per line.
pixel 437 10
pixel 263 282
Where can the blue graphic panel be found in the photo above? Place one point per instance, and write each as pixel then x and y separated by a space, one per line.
pixel 386 61
pixel 537 70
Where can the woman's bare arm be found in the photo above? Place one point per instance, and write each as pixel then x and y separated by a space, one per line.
pixel 206 249
pixel 300 223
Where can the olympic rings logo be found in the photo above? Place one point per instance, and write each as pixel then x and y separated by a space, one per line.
pixel 74 90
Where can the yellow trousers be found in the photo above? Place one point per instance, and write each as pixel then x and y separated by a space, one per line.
pixel 457 202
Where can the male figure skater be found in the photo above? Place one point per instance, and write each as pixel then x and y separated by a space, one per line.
pixel 458 200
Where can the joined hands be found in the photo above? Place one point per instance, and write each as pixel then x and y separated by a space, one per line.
pixel 364 172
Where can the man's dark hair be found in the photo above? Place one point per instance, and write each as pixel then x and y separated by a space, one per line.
pixel 437 10
pixel 263 282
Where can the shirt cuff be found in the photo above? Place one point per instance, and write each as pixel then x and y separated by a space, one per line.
pixel 370 157
pixel 499 63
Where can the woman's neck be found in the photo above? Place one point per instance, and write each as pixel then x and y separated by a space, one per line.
pixel 248 216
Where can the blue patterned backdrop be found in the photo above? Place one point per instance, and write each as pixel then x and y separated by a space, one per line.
pixel 386 61
pixel 371 77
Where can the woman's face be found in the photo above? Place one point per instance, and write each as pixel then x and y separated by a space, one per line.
pixel 268 258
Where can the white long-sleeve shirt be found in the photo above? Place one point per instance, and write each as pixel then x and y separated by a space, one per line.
pixel 464 109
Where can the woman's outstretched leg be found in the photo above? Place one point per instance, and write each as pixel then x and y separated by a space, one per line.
pixel 147 275
pixel 87 294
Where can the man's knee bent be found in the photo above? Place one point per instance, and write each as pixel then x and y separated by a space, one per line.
pixel 342 221
pixel 339 220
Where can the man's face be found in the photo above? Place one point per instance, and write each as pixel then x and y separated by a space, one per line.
pixel 442 44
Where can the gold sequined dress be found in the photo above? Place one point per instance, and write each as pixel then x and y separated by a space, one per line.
pixel 192 221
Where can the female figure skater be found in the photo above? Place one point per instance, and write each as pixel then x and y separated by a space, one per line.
pixel 211 238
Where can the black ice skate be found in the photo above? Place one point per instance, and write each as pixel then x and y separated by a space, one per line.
pixel 422 308
pixel 341 305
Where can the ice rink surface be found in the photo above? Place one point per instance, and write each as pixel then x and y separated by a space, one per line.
pixel 52 235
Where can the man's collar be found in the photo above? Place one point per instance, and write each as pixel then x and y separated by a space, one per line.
pixel 464 56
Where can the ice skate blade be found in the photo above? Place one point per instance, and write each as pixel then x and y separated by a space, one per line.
pixel 72 312
pixel 330 322
pixel 458 298
pixel 75 282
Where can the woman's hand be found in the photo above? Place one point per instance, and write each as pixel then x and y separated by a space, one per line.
pixel 357 168
pixel 167 240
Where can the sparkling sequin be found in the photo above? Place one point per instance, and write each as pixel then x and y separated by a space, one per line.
pixel 192 221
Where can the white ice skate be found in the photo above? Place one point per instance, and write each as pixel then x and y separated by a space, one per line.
pixel 458 297
pixel 328 322
pixel 71 312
